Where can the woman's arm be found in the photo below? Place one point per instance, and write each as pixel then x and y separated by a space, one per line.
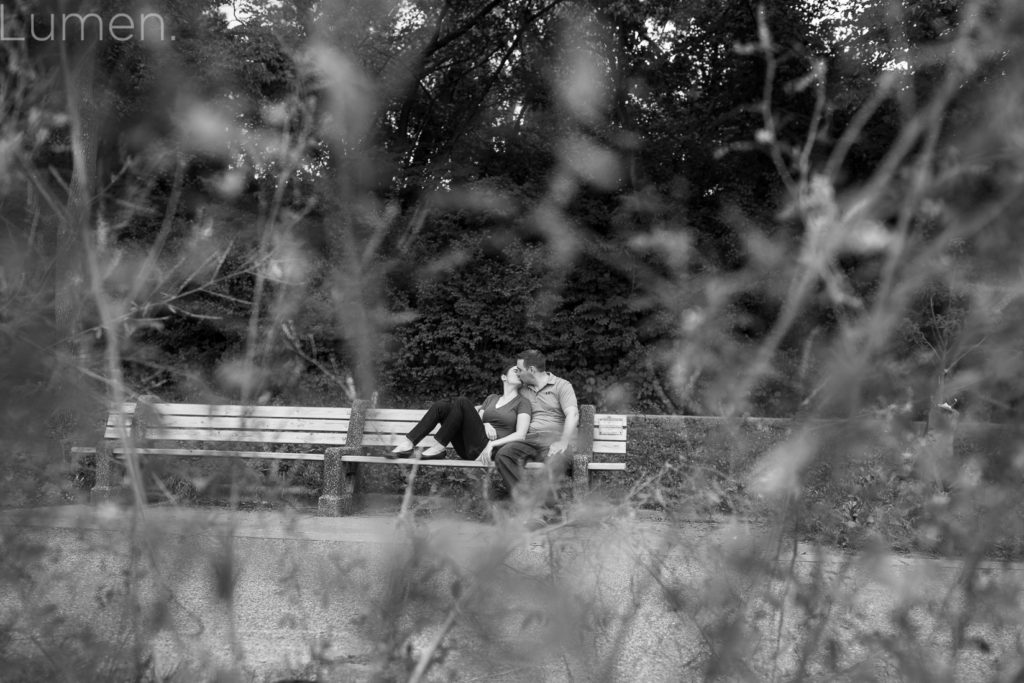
pixel 522 426
pixel 488 427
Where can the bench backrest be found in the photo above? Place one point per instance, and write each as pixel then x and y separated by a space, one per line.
pixel 301 425
pixel 243 424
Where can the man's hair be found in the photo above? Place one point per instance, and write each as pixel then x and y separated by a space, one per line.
pixel 533 358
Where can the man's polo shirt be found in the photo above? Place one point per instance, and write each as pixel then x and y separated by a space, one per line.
pixel 549 405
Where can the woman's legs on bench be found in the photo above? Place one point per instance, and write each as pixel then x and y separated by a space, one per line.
pixel 460 426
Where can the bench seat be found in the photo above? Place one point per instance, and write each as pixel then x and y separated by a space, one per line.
pixel 452 462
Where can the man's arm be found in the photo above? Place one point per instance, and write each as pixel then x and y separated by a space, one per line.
pixel 568 431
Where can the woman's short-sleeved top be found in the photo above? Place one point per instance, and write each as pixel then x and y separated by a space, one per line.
pixel 504 417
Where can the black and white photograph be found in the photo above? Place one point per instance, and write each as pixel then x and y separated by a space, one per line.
pixel 409 341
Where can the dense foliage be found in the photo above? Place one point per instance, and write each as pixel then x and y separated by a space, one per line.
pixel 327 201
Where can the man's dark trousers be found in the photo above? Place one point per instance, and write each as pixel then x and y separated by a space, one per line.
pixel 511 459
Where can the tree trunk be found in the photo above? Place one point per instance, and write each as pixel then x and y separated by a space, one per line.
pixel 79 81
pixel 70 275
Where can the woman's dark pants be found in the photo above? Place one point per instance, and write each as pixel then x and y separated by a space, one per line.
pixel 460 426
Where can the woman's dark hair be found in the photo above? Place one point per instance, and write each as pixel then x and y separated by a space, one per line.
pixel 507 364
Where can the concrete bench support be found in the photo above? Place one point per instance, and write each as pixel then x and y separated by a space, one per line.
pixel 104 489
pixel 342 487
pixel 583 453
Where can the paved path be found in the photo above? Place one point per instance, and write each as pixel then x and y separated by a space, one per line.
pixel 607 598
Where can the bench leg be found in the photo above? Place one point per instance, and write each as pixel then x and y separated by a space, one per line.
pixel 486 491
pixel 580 475
pixel 104 489
pixel 583 453
pixel 342 492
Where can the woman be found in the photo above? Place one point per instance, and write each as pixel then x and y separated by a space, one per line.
pixel 473 432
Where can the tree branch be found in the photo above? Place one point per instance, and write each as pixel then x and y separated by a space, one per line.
pixel 440 42
pixel 293 341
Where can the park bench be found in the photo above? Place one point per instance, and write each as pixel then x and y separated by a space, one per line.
pixel 342 438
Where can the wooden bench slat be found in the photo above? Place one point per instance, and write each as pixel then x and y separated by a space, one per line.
pixel 426 443
pixel 416 413
pixel 395 414
pixel 409 461
pixel 254 411
pixel 450 462
pixel 324 438
pixel 371 459
pixel 266 455
pixel 383 421
pixel 273 424
pixel 609 437
pixel 159 434
pixel 384 414
pixel 394 440
pixel 272 455
pixel 385 427
pixel 404 427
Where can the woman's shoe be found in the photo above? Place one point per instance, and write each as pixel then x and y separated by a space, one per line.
pixel 434 453
pixel 402 450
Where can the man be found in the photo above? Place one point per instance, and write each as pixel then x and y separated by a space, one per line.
pixel 552 430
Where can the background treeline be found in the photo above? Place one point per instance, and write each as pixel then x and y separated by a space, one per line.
pixel 695 207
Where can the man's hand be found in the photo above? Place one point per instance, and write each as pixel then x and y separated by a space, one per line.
pixel 485 456
pixel 558 447
pixel 491 432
